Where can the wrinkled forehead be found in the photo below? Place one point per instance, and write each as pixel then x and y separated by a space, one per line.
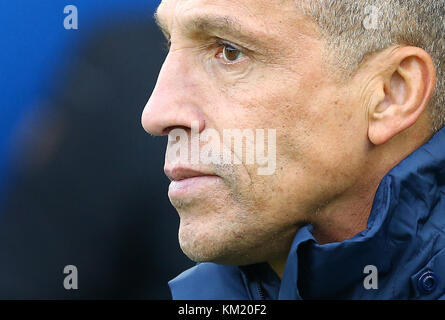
pixel 249 7
pixel 263 16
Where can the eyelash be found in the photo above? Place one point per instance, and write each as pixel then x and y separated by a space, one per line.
pixel 219 43
pixel 226 44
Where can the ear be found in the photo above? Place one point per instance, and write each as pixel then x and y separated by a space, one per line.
pixel 407 83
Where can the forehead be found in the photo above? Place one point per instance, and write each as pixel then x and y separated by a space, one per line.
pixel 252 6
pixel 273 16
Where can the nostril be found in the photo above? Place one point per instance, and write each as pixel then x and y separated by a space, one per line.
pixel 167 130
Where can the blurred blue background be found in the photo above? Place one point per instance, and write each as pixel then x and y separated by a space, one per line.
pixel 80 182
pixel 35 45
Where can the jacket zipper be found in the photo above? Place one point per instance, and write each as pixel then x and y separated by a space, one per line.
pixel 260 291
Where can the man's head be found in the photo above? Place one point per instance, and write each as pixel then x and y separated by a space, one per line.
pixel 347 103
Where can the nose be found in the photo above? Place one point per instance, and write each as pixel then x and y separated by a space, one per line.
pixel 174 101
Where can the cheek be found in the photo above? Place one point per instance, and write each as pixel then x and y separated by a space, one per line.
pixel 320 133
pixel 321 143
pixel 330 143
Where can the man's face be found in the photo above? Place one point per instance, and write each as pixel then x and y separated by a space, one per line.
pixel 253 64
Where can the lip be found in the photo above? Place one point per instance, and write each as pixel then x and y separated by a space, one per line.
pixel 186 181
pixel 183 173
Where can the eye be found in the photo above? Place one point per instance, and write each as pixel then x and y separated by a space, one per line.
pixel 229 53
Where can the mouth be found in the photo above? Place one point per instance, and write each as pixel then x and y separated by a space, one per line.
pixel 187 182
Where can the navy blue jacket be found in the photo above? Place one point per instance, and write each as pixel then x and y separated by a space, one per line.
pixel 404 240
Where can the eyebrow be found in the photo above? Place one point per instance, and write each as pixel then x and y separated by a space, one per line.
pixel 213 25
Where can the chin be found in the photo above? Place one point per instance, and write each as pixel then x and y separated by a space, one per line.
pixel 198 246
pixel 221 246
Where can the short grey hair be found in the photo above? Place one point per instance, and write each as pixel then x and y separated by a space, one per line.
pixel 419 23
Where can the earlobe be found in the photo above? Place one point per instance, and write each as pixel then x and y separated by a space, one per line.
pixel 404 91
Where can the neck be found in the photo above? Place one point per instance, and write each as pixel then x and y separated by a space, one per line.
pixel 339 219
pixel 344 217
pixel 347 215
